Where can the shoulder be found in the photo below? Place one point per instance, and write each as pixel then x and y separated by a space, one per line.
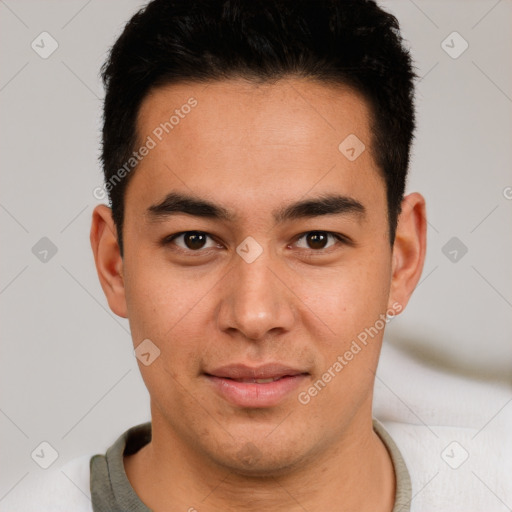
pixel 61 490
pixel 453 433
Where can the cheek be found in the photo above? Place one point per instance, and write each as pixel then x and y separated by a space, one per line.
pixel 164 310
pixel 162 301
pixel 352 302
pixel 349 297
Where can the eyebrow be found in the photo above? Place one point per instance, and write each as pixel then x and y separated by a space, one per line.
pixel 330 204
pixel 323 205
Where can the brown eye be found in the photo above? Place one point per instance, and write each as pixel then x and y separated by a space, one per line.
pixel 317 239
pixel 321 241
pixel 191 240
pixel 194 240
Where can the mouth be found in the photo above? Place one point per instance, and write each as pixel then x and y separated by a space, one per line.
pixel 255 387
pixel 258 381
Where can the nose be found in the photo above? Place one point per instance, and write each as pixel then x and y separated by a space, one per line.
pixel 257 302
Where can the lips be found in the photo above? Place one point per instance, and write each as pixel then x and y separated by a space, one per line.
pixel 255 387
pixel 268 372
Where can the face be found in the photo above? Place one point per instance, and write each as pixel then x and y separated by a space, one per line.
pixel 257 262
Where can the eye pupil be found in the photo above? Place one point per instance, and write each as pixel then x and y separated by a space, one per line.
pixel 317 239
pixel 194 240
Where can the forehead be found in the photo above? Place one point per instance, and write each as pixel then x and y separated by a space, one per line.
pixel 287 137
pixel 289 111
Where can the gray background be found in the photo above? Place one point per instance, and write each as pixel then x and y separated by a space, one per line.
pixel 68 374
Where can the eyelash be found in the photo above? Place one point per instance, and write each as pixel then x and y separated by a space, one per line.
pixel 168 240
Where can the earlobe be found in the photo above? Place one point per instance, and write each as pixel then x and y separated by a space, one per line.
pixel 409 249
pixel 108 260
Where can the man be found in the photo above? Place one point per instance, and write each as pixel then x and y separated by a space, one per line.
pixel 258 241
pixel 251 242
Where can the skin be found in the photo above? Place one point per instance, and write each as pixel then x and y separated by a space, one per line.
pixel 254 149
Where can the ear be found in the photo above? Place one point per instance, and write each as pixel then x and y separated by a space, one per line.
pixel 409 249
pixel 107 256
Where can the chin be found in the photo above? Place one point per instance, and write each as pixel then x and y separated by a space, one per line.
pixel 249 459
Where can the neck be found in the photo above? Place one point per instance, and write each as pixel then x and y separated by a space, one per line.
pixel 355 474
